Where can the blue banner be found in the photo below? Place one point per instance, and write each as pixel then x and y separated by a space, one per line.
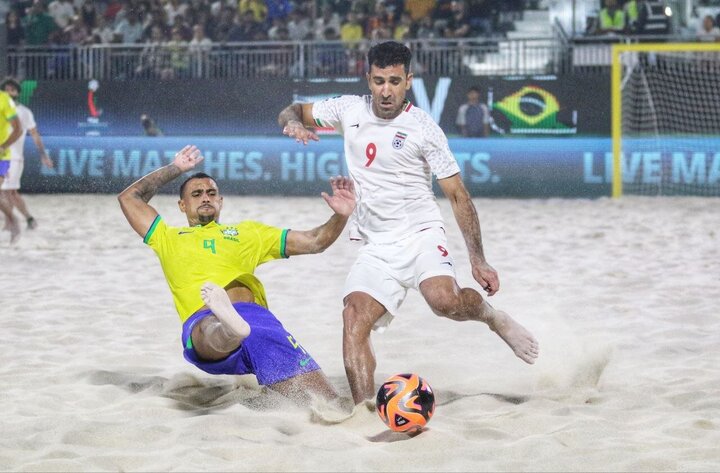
pixel 494 167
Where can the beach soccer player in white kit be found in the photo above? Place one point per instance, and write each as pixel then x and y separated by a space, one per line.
pixel 392 149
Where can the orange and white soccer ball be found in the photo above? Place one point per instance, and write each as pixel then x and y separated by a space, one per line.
pixel 405 402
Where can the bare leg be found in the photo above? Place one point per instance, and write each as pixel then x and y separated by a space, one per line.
pixel 302 388
pixel 447 299
pixel 360 314
pixel 219 303
pixel 219 334
pixel 17 201
pixel 10 221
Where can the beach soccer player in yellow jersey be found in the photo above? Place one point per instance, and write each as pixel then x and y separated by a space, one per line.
pixel 391 149
pixel 10 131
pixel 209 266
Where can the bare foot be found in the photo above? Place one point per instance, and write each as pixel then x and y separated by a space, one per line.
pixel 219 303
pixel 515 335
pixel 14 228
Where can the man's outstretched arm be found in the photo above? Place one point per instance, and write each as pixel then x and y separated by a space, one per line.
pixel 134 200
pixel 467 220
pixel 342 201
pixel 296 121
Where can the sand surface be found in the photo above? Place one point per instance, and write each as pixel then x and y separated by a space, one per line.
pixel 622 295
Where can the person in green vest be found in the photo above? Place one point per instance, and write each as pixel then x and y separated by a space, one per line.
pixel 612 19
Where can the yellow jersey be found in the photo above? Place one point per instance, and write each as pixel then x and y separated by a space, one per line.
pixel 191 256
pixel 7 113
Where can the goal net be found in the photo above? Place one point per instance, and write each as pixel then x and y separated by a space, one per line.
pixel 666 119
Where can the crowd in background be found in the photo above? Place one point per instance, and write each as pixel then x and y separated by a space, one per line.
pixel 200 22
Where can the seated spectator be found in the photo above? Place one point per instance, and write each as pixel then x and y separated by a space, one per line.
pixel 102 33
pixel 419 9
pixel 351 32
pixel 76 32
pixel 244 28
pixel 15 31
pixel 458 25
pixel 89 14
pixel 402 29
pixel 481 15
pixel 298 26
pixel 707 31
pixel 129 30
pixel 328 19
pixel 153 60
pixel 62 11
pixel 612 19
pixel 278 24
pixel 179 65
pixel 38 25
pixel 257 7
pixel 174 8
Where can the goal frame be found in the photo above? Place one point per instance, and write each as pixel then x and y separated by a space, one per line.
pixel 616 92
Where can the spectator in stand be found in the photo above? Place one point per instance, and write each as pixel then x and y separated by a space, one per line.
pixel 179 66
pixel 403 27
pixel 174 8
pixel 15 31
pixel 458 25
pixel 351 32
pixel 612 19
pixel 379 25
pixel 481 16
pixel 129 30
pixel 279 8
pixel 244 28
pixel 38 25
pixel 473 118
pixel 183 26
pixel 62 11
pixel 707 31
pixel 223 26
pixel 299 26
pixel 257 7
pixel 274 31
pixel 76 32
pixel 153 58
pixel 111 10
pixel 102 33
pixel 89 14
pixel 328 19
pixel 419 9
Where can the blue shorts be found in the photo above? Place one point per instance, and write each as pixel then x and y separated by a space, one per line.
pixel 269 352
pixel 4 168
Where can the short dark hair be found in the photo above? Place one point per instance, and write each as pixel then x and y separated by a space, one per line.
pixel 389 53
pixel 197 175
pixel 11 81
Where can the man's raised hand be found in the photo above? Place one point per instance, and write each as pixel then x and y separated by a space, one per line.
pixel 187 158
pixel 342 200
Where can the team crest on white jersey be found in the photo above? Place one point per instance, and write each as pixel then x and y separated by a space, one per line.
pixel 399 140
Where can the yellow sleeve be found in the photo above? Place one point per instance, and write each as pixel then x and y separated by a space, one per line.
pixel 7 107
pixel 271 241
pixel 156 236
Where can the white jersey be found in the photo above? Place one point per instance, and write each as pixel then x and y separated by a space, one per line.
pixel 27 122
pixel 391 163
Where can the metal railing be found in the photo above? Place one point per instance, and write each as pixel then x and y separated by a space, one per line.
pixel 310 59
pixel 477 56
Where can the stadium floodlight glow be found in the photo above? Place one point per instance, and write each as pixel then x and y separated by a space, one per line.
pixel 668 11
pixel 666 119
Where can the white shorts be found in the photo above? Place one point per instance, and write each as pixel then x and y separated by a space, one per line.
pixel 387 271
pixel 12 180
